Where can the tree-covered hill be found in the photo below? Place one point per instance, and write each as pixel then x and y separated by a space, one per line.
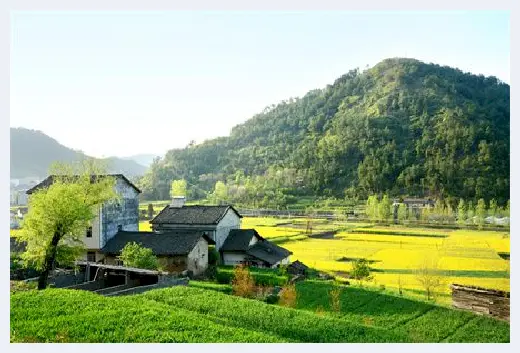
pixel 33 152
pixel 403 127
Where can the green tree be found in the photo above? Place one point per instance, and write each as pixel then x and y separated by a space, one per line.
pixel 402 212
pixel 221 192
pixel 361 270
pixel 179 188
pixel 461 212
pixel 150 211
pixel 470 212
pixel 134 255
pixel 59 215
pixel 481 213
pixel 372 208
pixel 385 208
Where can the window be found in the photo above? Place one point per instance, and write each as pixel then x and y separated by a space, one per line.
pixel 91 256
pixel 119 228
pixel 89 232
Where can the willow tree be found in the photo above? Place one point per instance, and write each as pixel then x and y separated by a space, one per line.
pixel 59 215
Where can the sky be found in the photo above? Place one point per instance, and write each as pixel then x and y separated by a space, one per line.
pixel 126 83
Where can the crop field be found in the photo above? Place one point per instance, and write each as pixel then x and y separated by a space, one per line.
pixel 468 257
pixel 190 314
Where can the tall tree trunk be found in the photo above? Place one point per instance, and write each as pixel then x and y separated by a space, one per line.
pixel 50 257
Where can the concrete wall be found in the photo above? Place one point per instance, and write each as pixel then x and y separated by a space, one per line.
pixel 123 212
pixel 228 222
pixel 198 257
pixel 231 259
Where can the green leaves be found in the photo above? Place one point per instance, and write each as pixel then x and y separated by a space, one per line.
pixel 134 255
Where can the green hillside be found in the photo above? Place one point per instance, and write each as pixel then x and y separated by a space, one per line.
pixel 33 152
pixel 403 127
pixel 185 314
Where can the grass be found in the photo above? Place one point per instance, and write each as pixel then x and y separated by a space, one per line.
pixel 203 312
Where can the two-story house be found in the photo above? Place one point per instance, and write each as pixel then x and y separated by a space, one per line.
pixel 214 221
pixel 112 216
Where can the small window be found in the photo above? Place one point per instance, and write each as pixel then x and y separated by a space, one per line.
pixel 119 228
pixel 89 232
pixel 91 256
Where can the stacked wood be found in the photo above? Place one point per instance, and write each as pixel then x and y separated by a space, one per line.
pixel 482 301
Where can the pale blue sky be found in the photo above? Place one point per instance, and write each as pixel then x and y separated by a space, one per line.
pixel 125 83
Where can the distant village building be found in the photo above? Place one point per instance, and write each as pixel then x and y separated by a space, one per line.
pixel 215 221
pixel 246 246
pixel 112 216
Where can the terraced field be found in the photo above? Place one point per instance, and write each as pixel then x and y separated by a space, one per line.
pixel 186 314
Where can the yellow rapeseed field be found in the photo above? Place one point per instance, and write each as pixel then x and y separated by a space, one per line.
pixel 460 256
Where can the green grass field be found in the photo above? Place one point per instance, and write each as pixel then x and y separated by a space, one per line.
pixel 190 314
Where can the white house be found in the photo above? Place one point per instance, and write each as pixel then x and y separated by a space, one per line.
pixel 112 216
pixel 215 221
pixel 246 246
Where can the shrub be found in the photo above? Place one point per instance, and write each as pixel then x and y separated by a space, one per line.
pixel 361 270
pixel 288 296
pixel 243 283
pixel 335 300
pixel 213 256
pixel 134 255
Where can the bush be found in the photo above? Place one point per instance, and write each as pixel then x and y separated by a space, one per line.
pixel 134 255
pixel 288 296
pixel 361 270
pixel 213 256
pixel 225 276
pixel 243 283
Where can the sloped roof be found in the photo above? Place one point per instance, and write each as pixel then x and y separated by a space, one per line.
pixel 268 252
pixel 50 180
pixel 239 239
pixel 196 214
pixel 168 243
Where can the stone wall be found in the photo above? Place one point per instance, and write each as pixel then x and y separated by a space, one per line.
pixel 481 301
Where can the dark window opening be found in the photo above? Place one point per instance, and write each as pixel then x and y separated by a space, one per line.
pixel 119 228
pixel 89 232
pixel 91 256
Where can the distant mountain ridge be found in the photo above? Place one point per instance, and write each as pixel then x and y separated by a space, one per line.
pixel 143 159
pixel 33 152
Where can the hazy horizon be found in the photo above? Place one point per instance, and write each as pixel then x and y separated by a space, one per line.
pixel 122 84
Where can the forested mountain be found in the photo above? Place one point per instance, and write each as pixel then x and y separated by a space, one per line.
pixel 142 159
pixel 403 127
pixel 33 152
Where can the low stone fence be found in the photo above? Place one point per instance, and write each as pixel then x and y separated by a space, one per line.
pixel 481 301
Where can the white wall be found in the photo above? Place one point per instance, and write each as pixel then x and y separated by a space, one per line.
pixel 198 257
pixel 94 242
pixel 231 259
pixel 228 222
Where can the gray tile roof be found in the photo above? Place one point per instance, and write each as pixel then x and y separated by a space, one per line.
pixel 238 241
pixel 195 214
pixel 162 244
pixel 50 180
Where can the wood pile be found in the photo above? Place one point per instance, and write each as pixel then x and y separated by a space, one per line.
pixel 481 301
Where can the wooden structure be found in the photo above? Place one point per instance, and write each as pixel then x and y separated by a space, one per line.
pixel 481 301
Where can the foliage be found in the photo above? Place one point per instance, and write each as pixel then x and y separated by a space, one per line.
pixel 243 283
pixel 429 277
pixel 402 126
pixel 59 215
pixel 335 300
pixel 372 208
pixel 263 277
pixel 385 208
pixel 134 255
pixel 360 270
pixel 179 188
pixel 481 213
pixel 461 213
pixel 213 256
pixel 288 296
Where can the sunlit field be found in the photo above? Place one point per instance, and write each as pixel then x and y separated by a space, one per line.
pixel 459 256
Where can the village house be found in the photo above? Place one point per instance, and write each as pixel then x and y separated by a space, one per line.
pixel 246 246
pixel 112 216
pixel 214 221
pixel 176 251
